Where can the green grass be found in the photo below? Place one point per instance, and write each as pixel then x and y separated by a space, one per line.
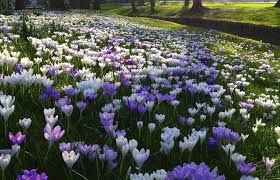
pixel 255 13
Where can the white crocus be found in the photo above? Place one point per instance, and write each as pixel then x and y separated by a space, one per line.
pixel 51 120
pixel 151 127
pixel 49 112
pixel 25 123
pixel 70 158
pixel 229 149
pixel 4 161
pixel 140 156
pixel 160 118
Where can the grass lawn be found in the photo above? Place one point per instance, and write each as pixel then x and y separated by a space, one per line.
pixel 255 13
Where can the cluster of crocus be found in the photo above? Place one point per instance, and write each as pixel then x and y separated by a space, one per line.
pixel 223 134
pixel 107 118
pixel 32 175
pixel 50 92
pixel 195 172
pixel 168 137
pixel 85 61
pixel 52 133
pixel 7 107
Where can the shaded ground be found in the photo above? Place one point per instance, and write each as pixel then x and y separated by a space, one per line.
pixel 255 13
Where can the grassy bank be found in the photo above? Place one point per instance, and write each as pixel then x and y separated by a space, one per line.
pixel 255 13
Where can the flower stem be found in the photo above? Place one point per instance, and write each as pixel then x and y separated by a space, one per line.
pixel 3 175
pixel 68 125
pixel 121 166
pixel 97 168
pixel 5 128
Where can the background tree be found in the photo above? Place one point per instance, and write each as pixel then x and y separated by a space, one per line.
pixel 187 3
pixel 197 5
pixel 153 3
pixel 84 4
pixel 19 4
pixel 97 4
pixel 133 6
pixel 141 3
pixel 4 5
pixel 57 4
pixel 277 4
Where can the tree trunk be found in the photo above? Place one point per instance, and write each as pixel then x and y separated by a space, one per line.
pixel 277 4
pixel 197 5
pixel 187 3
pixel 152 6
pixel 133 6
pixel 97 4
pixel 19 5
pixel 4 5
pixel 84 4
pixel 141 2
pixel 57 4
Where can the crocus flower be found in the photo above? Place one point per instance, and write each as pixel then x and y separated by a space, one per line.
pixel 51 120
pixel 268 163
pixel 6 106
pixel 25 123
pixel 140 156
pixel 194 172
pixel 109 155
pixel 32 175
pixel 81 105
pixel 244 168
pixel 4 161
pixel 17 139
pixel 67 109
pixel 109 89
pixel 53 135
pixel 70 158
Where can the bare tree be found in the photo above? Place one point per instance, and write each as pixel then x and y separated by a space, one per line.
pixel 153 3
pixel 197 5
pixel 97 4
pixel 187 3
pixel 4 5
pixel 277 4
pixel 19 4
pixel 133 6
pixel 141 3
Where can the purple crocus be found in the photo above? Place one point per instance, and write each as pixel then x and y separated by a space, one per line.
pixel 109 155
pixel 141 109
pixel 62 102
pixel 109 89
pixel 17 139
pixel 32 175
pixel 81 105
pixel 90 97
pixel 194 172
pixel 53 72
pixel 70 92
pixel 182 120
pixel 19 68
pixel 53 135
pixel 244 168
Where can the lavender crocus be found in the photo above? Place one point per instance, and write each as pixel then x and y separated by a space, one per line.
pixel 194 172
pixel 246 169
pixel 109 89
pixel 109 155
pixel 53 135
pixel 32 175
pixel 17 139
pixel 81 105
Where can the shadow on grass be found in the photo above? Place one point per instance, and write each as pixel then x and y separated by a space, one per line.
pixel 189 12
